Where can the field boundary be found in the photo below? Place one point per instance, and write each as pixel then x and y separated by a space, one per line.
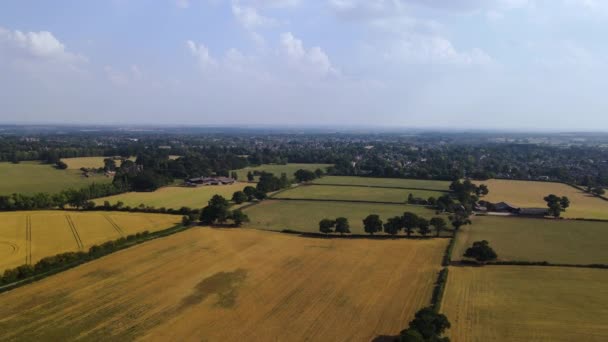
pixel 74 232
pixel 375 186
pixel 381 236
pixel 344 201
pixel 466 263
pixel 28 240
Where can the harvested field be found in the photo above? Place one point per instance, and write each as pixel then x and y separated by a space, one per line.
pixel 28 236
pixel 276 169
pixel 522 239
pixel 514 303
pixel 175 196
pixel 354 193
pixel 304 216
pixel 231 285
pixel 385 182
pixel 33 177
pixel 531 194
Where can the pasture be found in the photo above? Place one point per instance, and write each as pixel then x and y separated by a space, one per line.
pixel 522 239
pixel 385 182
pixel 87 162
pixel 174 196
pixel 231 285
pixel 277 169
pixel 355 193
pixel 304 216
pixel 531 194
pixel 33 177
pixel 510 303
pixel 26 237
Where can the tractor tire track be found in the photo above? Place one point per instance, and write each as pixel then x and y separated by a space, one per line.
pixel 28 240
pixel 75 232
pixel 116 226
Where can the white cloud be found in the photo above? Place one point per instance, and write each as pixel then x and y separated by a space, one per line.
pixel 314 60
pixel 123 78
pixel 36 45
pixel 249 17
pixel 201 52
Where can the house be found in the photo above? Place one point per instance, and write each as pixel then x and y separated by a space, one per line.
pixel 200 181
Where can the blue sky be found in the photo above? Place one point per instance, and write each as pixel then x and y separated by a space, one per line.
pixel 501 64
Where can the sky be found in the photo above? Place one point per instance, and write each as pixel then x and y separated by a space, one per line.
pixel 451 64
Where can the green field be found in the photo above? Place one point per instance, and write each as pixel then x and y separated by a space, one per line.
pixel 304 216
pixel 175 196
pixel 32 177
pixel 355 193
pixel 555 241
pixel 510 303
pixel 385 182
pixel 88 162
pixel 276 169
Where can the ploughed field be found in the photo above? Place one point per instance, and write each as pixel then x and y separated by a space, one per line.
pixel 304 216
pixel 28 236
pixel 175 197
pixel 355 193
pixel 277 169
pixel 523 239
pixel 516 303
pixel 385 182
pixel 231 285
pixel 530 195
pixel 33 177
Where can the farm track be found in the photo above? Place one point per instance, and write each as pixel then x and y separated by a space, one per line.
pixel 75 232
pixel 116 227
pixel 28 240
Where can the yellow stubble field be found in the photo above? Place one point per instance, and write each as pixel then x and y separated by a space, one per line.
pixel 232 285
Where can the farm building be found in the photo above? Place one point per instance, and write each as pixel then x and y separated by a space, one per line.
pixel 541 212
pixel 503 207
pixel 200 181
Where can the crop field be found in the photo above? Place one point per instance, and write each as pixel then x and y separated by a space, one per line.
pixel 33 177
pixel 26 237
pixel 385 182
pixel 522 239
pixel 175 196
pixel 276 169
pixel 87 162
pixel 304 216
pixel 510 303
pixel 355 193
pixel 231 285
pixel 531 194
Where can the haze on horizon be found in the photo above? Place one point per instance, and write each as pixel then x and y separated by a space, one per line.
pixel 471 64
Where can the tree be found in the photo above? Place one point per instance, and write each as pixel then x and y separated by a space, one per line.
pixel 304 175
pixel 410 222
pixel 260 195
pixel 557 204
pixel 215 211
pixel 234 175
pixel 372 224
pixel 429 324
pixel 326 225
pixel 239 217
pixel 423 226
pixel 598 191
pixel 393 225
pixel 342 225
pixel 410 198
pixel 319 173
pixel 268 183
pixel 250 176
pixel 564 202
pixel 250 192
pixel 482 190
pixel 239 197
pixel 481 251
pixel 439 224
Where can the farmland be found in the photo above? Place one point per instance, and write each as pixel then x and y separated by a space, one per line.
pixel 30 236
pixel 555 241
pixel 235 285
pixel 531 194
pixel 350 193
pixel 87 162
pixel 277 170
pixel 304 216
pixel 32 177
pixel 509 303
pixel 174 196
pixel 385 182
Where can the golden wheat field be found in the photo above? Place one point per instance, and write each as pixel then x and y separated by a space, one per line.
pixel 26 237
pixel 231 285
pixel 531 194
pixel 525 303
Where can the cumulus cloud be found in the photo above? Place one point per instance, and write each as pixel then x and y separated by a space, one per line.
pixel 40 45
pixel 201 52
pixel 249 17
pixel 312 60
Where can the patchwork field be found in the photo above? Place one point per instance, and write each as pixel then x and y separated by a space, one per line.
pixel 304 216
pixel 236 285
pixel 275 169
pixel 32 235
pixel 531 194
pixel 175 196
pixel 555 241
pixel 509 303
pixel 33 177
pixel 355 193
pixel 385 182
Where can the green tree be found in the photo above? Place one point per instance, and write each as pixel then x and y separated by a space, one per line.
pixel 342 225
pixel 481 251
pixel 557 204
pixel 239 197
pixel 304 175
pixel 326 225
pixel 234 175
pixel 430 324
pixel 372 224
pixel 393 225
pixel 410 222
pixel 250 192
pixel 215 211
pixel 250 176
pixel 439 224
pixel 423 226
pixel 239 217
pixel 319 173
